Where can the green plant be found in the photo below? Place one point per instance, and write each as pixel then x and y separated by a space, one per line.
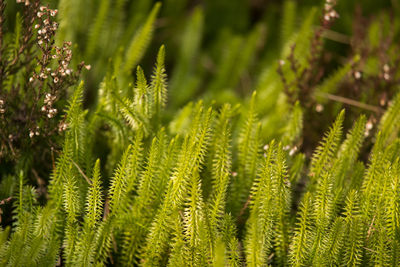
pixel 218 181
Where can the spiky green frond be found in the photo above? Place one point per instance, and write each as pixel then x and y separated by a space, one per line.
pixel 71 199
pixel 60 172
pixel 125 176
pixel 184 81
pixel 374 175
pixel 260 224
pixel 142 97
pixel 85 252
pixel 389 124
pixel 221 168
pixel 149 189
pixel 296 168
pixel 75 104
pixel 249 143
pixel 331 244
pixel 346 158
pixel 103 237
pixel 76 125
pixel 323 212
pixel 190 158
pixel 96 28
pixel 193 150
pixel 159 83
pixel 149 180
pixel 94 198
pixel 294 126
pixel 301 39
pixel 288 20
pixel 194 222
pixel 392 202
pixel 325 152
pixel 323 206
pixel 300 245
pixel 331 83
pixel 178 253
pixel 141 40
pixel 281 202
pixel 70 242
pixel 248 157
pixel 119 182
pixel 233 257
pixel 354 233
pixel 133 116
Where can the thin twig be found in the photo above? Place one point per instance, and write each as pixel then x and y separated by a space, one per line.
pixel 373 251
pixel 370 227
pixel 106 209
pixel 82 173
pixel 243 209
pixel 336 36
pixel 351 102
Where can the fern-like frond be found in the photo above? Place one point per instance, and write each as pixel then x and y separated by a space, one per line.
pixel 248 157
pixel 259 234
pixel 132 115
pixel 324 154
pixel 288 20
pixel 140 41
pixel 142 98
pixel 118 186
pixel 392 202
pixel 149 191
pixel 70 242
pixel 97 28
pixel 331 83
pixel 159 83
pixel 374 176
pixel 233 257
pixel 62 167
pixel 71 199
pixel 103 237
pixel 184 79
pixel 300 245
pixel 301 39
pixel 94 202
pixel 296 168
pixel 281 202
pixel 354 233
pixel 294 126
pixel 347 156
pixel 85 246
pixel 332 243
pixel 194 222
pixel 323 212
pixel 221 168
pixel 190 158
pixel 178 256
pixel 126 175
pixel 193 150
pixel 389 124
pixel 391 217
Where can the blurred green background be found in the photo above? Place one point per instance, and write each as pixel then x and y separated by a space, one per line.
pixel 217 49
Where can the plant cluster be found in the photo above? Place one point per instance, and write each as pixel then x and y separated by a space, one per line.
pixel 34 77
pixel 143 177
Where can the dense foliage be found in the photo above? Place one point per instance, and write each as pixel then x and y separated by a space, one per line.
pixel 238 143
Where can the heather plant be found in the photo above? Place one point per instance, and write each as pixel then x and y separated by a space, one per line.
pixel 34 82
pixel 175 166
